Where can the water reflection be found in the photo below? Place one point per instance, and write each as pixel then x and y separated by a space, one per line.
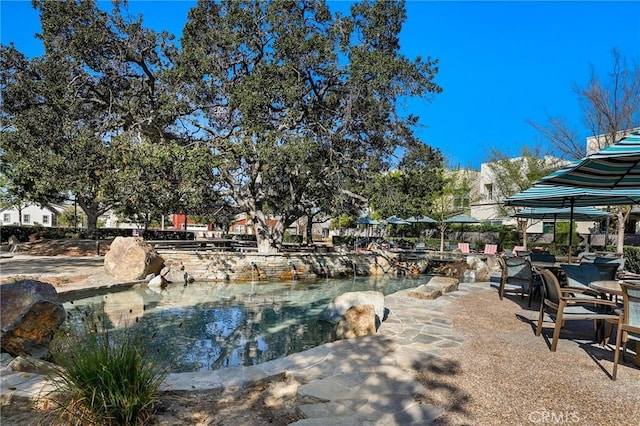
pixel 208 326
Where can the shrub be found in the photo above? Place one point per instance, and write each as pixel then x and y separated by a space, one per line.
pixel 106 376
pixel 632 259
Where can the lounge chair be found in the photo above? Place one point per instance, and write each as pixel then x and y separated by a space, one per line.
pixel 517 249
pixel 490 249
pixel 464 248
pixel 567 307
pixel 628 322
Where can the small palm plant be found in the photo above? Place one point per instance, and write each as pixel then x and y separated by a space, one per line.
pixel 106 376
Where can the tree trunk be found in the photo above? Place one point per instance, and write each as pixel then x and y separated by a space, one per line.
pixel 622 220
pixel 524 233
pixel 269 239
pixel 309 230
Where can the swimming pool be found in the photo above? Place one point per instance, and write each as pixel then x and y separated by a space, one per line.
pixel 210 326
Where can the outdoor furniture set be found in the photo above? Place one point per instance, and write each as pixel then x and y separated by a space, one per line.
pixel 590 292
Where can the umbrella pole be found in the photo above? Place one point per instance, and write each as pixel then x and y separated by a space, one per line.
pixel 570 230
pixel 555 219
pixel 606 231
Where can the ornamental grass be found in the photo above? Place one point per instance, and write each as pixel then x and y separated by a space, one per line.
pixel 106 376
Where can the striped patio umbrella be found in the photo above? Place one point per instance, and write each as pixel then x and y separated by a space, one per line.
pixel 614 167
pixel 578 213
pixel 572 197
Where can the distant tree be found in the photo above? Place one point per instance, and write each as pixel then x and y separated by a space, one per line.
pixel 71 218
pixel 611 107
pixel 458 186
pixel 12 196
pixel 514 175
pixel 100 75
pixel 410 188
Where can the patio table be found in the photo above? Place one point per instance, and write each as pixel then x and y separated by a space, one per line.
pixel 613 287
pixel 610 287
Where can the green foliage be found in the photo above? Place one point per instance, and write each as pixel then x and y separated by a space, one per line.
pixel 632 259
pixel 408 190
pixel 292 238
pixel 106 376
pixel 343 221
pixel 275 108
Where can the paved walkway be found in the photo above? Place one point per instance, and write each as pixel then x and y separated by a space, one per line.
pixel 364 381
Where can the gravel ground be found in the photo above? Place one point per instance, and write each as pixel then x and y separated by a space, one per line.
pixel 505 375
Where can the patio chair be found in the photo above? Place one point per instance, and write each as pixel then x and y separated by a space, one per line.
pixel 580 276
pixel 464 248
pixel 628 322
pixel 516 249
pixel 542 256
pixel 517 276
pixel 490 249
pixel 567 307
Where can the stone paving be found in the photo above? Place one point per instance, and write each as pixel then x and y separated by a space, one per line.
pixel 363 381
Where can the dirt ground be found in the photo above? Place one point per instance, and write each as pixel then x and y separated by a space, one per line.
pixel 267 404
pixel 64 247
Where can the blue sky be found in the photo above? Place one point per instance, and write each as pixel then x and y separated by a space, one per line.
pixel 501 63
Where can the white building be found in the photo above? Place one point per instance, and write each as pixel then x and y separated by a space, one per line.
pixel 46 216
pixel 488 207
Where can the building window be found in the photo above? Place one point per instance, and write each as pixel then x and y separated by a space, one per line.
pixel 45 219
pixel 547 227
pixel 488 191
pixel 461 201
pixel 26 218
pixel 239 229
pixel 6 217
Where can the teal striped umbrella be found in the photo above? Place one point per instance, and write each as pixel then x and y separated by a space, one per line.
pixel 572 197
pixel 565 196
pixel 614 167
pixel 578 213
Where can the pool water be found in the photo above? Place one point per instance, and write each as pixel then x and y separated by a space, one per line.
pixel 209 326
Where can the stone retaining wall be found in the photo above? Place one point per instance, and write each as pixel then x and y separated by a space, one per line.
pixel 217 266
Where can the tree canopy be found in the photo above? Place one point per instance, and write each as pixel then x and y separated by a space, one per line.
pixel 279 108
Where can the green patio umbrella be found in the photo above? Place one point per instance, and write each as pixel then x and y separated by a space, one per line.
pixel 395 220
pixel 368 222
pixel 421 219
pixel 614 167
pixel 462 219
pixel 565 196
pixel 578 213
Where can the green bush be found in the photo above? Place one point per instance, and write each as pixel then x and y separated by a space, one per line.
pixel 632 259
pixel 106 376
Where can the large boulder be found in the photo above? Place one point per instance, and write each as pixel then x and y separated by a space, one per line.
pixel 482 271
pixel 334 312
pixel 359 320
pixel 131 259
pixel 30 313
